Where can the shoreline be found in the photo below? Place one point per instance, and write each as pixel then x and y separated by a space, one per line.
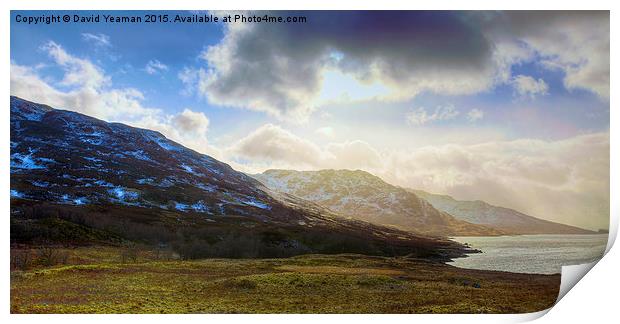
pixel 512 235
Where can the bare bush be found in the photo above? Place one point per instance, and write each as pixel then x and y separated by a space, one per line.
pixel 130 254
pixel 21 259
pixel 49 256
pixel 164 252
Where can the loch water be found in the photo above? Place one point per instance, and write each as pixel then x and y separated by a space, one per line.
pixel 531 253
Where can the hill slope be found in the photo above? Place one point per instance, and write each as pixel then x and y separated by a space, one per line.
pixel 75 178
pixel 508 220
pixel 361 195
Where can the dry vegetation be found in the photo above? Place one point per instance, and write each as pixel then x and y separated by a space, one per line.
pixel 106 280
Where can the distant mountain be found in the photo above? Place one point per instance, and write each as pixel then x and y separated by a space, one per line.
pixel 363 196
pixel 505 219
pixel 76 178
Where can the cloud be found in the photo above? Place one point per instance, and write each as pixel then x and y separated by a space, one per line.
pixel 83 87
pixel 325 131
pixel 190 128
pixel 196 81
pixel 565 180
pixel 86 88
pixel 190 121
pixel 77 71
pixel 574 42
pixel 282 71
pixel 155 66
pixel 271 144
pixel 527 86
pixel 420 116
pixel 101 40
pixel 475 115
pixel 352 155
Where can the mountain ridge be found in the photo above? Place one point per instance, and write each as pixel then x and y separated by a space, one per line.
pixel 476 212
pixel 361 195
pixel 507 219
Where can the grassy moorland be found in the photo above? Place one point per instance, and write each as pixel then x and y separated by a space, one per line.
pixel 94 280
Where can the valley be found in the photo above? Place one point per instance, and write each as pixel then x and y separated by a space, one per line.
pixel 108 218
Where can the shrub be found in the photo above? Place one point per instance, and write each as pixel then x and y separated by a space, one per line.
pixel 49 256
pixel 21 259
pixel 130 254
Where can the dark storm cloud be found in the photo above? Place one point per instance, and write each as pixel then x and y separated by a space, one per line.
pixel 278 68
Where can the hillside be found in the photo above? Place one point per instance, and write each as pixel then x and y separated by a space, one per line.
pixel 79 180
pixel 505 219
pixel 363 196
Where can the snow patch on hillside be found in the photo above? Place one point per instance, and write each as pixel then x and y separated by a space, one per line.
pixel 159 140
pixel 251 201
pixel 123 194
pixel 17 194
pixel 28 161
pixel 139 154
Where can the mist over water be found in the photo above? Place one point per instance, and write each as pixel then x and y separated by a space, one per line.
pixel 531 253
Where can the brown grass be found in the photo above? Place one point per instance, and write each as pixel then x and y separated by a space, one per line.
pixel 304 284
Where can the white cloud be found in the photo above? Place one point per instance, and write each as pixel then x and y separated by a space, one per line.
pixel 189 128
pixel 325 131
pixel 564 180
pixel 420 116
pixel 196 81
pixel 352 155
pixel 273 145
pixel 475 115
pixel 574 42
pixel 78 71
pixel 155 66
pixel 527 86
pixel 101 40
pixel 86 88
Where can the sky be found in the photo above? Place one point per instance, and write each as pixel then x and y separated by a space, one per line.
pixel 507 107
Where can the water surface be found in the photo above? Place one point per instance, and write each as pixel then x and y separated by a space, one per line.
pixel 531 253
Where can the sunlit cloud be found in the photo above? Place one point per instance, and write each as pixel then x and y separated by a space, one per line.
pixel 325 131
pixel 532 176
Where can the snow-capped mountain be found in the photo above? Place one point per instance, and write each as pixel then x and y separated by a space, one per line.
pixel 70 158
pixel 361 195
pixel 508 220
pixel 94 168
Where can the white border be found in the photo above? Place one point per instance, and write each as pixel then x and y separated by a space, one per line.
pixel 592 300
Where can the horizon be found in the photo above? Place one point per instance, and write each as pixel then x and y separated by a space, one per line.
pixel 525 128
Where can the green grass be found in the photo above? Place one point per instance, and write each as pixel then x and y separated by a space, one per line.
pixel 97 283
